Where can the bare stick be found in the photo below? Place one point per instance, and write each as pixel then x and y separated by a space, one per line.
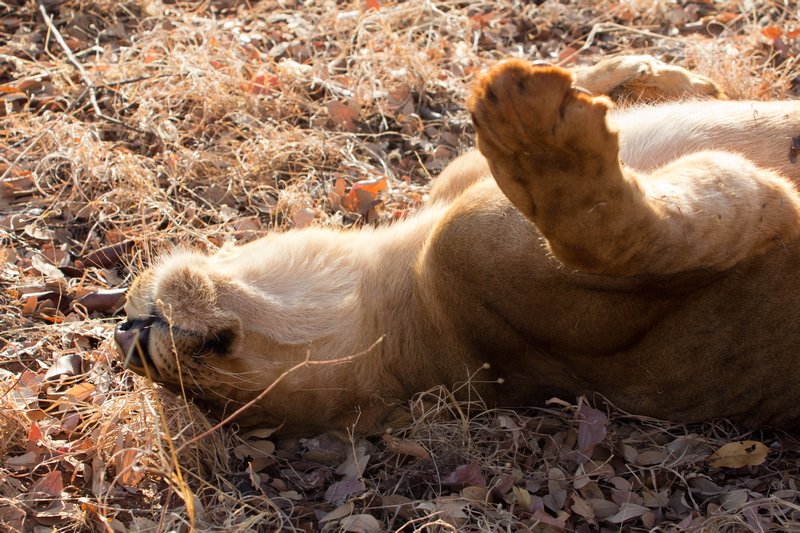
pixel 265 392
pixel 48 20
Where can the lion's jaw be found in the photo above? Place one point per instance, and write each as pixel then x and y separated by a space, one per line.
pixel 228 326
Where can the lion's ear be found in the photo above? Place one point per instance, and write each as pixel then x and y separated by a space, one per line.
pixel 184 291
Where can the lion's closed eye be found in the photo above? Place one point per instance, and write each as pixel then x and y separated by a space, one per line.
pixel 217 343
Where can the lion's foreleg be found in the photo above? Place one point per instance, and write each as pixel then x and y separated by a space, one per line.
pixel 552 154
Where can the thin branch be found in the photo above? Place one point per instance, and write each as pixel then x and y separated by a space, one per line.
pixel 304 363
pixel 87 81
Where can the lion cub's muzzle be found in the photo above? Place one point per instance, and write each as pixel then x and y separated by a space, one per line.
pixel 132 338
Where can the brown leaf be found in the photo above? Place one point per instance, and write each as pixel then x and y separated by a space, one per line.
pixel 302 217
pixel 254 449
pixel 340 491
pixel 627 511
pixel 66 365
pixel 356 462
pixel 602 508
pixel 109 256
pixel 361 523
pixel 582 508
pixel 338 513
pixel 473 493
pixel 40 263
pixel 651 457
pixel 34 436
pixel 405 447
pixel 29 307
pixel 591 428
pixel 80 392
pixel 739 454
pixel 125 459
pixel 557 488
pixel 51 484
pixel 103 300
pixel 465 475
pixel 344 114
pixel 25 460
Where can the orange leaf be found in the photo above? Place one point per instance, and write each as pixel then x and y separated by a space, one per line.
pixel 771 32
pixel 10 89
pixel 30 305
pixel 262 83
pixel 373 4
pixel 373 186
pixel 34 436
pixel 363 194
pixel 739 454
pixel 339 186
pixel 150 57
pixel 81 391
pixel 405 447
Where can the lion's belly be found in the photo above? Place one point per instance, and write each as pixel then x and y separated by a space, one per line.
pixel 687 347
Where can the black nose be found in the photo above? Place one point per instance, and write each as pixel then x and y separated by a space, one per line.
pixel 131 337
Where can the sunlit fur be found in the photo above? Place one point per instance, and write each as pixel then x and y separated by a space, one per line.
pixel 668 285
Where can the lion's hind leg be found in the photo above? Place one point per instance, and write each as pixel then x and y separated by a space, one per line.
pixel 643 78
pixel 551 152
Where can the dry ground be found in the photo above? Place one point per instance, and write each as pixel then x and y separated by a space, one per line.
pixel 201 122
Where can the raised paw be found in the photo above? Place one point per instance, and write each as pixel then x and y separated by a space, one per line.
pixel 538 130
pixel 536 111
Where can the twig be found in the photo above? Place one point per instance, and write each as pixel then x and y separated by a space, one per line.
pixel 27 149
pixel 48 20
pixel 305 362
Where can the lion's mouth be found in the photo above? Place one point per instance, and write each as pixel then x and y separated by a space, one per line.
pixel 132 338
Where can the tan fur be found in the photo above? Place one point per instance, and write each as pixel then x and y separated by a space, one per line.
pixel 667 284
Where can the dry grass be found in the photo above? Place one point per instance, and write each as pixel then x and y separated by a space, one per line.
pixel 220 120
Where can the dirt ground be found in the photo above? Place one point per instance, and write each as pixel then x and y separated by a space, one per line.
pixel 129 127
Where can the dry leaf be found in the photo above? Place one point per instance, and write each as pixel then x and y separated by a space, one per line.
pixel 405 447
pixel 363 195
pixel 651 457
pixel 103 300
pixel 582 508
pixel 355 464
pixel 66 365
pixel 80 392
pixel 627 511
pixel 40 263
pixel 361 523
pixel 125 459
pixel 473 493
pixel 51 484
pixel 34 436
pixel 344 114
pixel 465 475
pixel 254 449
pixel 739 454
pixel 342 490
pixel 25 460
pixel 557 490
pixel 591 428
pixel 109 256
pixel 339 513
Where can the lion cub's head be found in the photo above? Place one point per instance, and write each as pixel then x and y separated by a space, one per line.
pixel 224 327
pixel 179 327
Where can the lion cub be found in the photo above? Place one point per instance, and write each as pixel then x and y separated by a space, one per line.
pixel 582 249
